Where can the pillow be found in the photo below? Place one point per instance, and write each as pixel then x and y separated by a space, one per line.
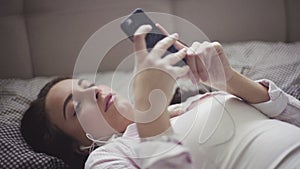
pixel 15 153
pixel 15 97
pixel 277 61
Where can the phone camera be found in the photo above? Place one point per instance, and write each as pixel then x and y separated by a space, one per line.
pixel 128 22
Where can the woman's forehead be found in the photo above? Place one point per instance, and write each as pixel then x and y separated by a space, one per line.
pixel 63 85
pixel 66 86
pixel 59 91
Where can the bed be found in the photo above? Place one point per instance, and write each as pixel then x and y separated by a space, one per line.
pixel 39 38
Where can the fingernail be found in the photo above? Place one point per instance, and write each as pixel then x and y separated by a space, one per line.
pixel 189 52
pixel 149 26
pixel 175 35
pixel 203 76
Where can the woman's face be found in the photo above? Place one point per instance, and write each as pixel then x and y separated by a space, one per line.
pixel 65 105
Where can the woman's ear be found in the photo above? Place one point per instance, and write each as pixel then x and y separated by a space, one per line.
pixel 76 147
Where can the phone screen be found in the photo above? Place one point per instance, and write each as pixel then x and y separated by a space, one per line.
pixel 138 18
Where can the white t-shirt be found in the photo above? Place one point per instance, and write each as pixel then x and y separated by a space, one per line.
pixel 221 131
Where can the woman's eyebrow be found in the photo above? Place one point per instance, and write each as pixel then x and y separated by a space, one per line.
pixel 68 99
pixel 79 82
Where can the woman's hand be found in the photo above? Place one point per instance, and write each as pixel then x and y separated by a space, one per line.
pixel 209 64
pixel 212 66
pixel 152 71
pixel 153 83
pixel 207 61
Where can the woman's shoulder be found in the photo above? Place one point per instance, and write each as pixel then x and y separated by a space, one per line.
pixel 117 151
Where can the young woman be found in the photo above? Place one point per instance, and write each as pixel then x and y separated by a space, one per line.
pixel 216 130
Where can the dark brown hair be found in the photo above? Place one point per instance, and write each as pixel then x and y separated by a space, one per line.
pixel 43 136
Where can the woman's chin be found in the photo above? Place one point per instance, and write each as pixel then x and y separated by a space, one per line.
pixel 124 107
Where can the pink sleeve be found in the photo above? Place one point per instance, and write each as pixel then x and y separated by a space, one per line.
pixel 166 153
pixel 281 105
pixel 101 158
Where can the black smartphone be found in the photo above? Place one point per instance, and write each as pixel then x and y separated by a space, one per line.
pixel 137 18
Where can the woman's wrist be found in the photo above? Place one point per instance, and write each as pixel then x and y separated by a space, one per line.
pixel 150 102
pixel 155 126
pixel 246 89
pixel 231 80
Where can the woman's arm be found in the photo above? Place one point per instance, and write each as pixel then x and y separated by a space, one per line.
pixel 213 69
pixel 154 80
pixel 250 91
pixel 153 86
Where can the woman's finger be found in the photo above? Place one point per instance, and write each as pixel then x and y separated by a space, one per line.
pixel 178 45
pixel 202 72
pixel 192 64
pixel 195 48
pixel 178 72
pixel 139 39
pixel 191 61
pixel 161 47
pixel 164 31
pixel 201 50
pixel 174 58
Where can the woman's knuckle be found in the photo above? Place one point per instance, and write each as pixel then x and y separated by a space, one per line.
pixel 196 43
pixel 162 44
pixel 137 36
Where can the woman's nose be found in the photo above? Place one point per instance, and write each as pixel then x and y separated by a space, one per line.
pixel 104 89
pixel 98 93
pixel 93 93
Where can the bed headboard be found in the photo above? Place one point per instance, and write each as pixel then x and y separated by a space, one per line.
pixel 44 37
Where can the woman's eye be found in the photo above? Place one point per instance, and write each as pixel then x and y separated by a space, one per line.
pixel 91 85
pixel 85 84
pixel 77 109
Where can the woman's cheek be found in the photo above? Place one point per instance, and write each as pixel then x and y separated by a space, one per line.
pixel 124 107
pixel 93 122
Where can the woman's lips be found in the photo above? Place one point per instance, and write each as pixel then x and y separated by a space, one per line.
pixel 109 100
